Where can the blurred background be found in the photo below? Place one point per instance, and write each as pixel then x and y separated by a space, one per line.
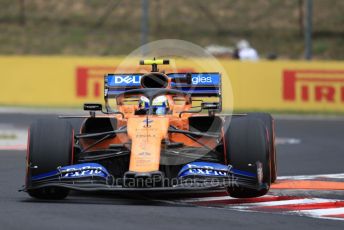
pixel 116 27
pixel 278 55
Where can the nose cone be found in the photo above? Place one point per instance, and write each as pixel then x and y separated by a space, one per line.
pixel 146 134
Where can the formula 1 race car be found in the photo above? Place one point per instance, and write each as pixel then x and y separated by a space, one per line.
pixel 155 138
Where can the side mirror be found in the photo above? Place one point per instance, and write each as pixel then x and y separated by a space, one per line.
pixel 93 107
pixel 212 107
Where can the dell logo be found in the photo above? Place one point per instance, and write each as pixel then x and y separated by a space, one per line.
pixel 129 79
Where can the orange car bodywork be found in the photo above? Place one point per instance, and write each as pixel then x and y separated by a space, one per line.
pixel 144 138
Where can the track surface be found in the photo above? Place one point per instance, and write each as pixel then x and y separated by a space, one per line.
pixel 319 152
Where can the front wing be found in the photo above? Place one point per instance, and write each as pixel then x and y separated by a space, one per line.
pixel 93 177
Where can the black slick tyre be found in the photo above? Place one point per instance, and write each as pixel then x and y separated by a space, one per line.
pixel 50 145
pixel 246 145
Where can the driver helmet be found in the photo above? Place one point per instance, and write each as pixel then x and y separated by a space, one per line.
pixel 159 104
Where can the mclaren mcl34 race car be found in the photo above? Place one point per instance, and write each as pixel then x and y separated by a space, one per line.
pixel 154 138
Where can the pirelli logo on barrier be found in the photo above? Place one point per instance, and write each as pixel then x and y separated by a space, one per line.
pixel 90 80
pixel 319 86
pixel 285 86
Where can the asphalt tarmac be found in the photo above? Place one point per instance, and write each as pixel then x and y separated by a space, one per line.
pixel 319 149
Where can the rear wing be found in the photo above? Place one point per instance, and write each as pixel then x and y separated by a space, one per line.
pixel 202 84
pixel 207 84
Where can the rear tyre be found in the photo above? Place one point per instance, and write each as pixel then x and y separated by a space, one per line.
pixel 50 145
pixel 270 125
pixel 245 145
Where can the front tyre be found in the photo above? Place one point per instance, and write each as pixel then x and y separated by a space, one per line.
pixel 50 145
pixel 245 145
